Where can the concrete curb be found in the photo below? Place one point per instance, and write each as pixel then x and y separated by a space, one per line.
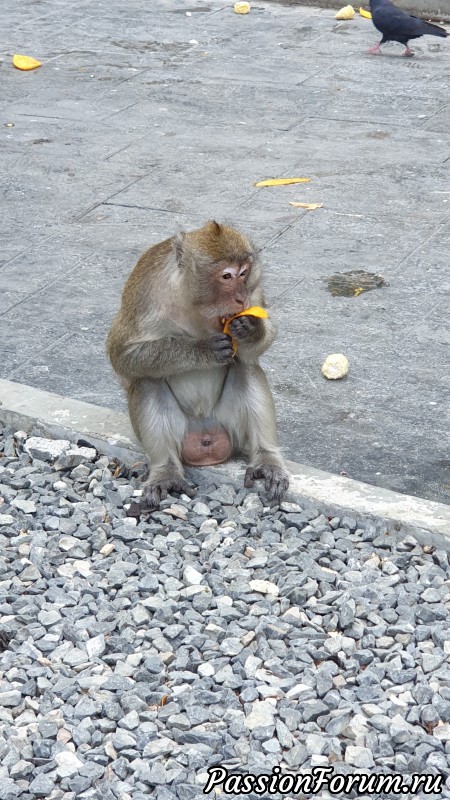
pixel 25 407
pixel 436 10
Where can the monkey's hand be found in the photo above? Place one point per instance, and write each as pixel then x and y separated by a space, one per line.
pixel 222 348
pixel 276 479
pixel 246 327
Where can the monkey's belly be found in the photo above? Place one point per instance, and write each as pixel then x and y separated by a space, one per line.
pixel 198 391
pixel 204 448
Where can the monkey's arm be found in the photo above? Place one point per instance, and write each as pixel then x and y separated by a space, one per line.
pixel 168 356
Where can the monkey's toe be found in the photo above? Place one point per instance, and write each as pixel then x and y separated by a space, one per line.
pixel 276 480
pixel 156 491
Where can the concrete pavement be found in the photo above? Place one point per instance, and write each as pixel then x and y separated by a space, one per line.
pixel 144 118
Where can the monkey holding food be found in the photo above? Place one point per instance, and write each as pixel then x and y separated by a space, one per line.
pixel 197 395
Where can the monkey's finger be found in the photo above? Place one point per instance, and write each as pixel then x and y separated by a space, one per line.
pixel 249 323
pixel 154 493
pixel 249 480
pixel 186 488
pixel 277 488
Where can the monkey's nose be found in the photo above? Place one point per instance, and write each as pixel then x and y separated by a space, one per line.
pixel 206 441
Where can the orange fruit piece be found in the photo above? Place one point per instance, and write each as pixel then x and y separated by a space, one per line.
pixel 253 311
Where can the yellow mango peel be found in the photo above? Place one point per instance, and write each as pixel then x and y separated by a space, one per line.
pixel 308 206
pixel 253 311
pixel 25 63
pixel 365 14
pixel 281 182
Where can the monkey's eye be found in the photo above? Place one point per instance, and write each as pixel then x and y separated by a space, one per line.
pixel 226 276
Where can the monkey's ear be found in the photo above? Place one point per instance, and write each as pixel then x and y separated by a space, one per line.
pixel 214 227
pixel 178 245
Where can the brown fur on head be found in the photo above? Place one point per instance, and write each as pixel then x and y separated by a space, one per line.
pixel 211 244
pixel 220 267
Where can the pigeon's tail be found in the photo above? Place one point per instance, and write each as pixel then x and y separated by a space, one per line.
pixel 434 30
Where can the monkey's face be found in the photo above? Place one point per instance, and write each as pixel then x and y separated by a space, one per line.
pixel 227 292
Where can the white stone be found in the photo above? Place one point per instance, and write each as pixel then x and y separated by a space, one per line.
pixel 30 573
pixel 66 570
pixel 48 618
pixel 76 455
pixel 224 600
pixel 212 542
pixel 261 715
pixel 82 567
pixel 202 510
pixel 130 721
pixel 231 646
pixel 96 647
pixel 205 670
pixel 251 664
pixel 67 543
pixel 442 732
pixel 6 519
pixel 68 763
pixel 190 591
pixel 10 699
pixel 333 644
pixel 359 757
pixel 46 449
pixel 192 577
pixel 297 690
pixel 107 549
pixel 264 587
pixel 267 677
pixel 140 614
pixel 291 508
pixel 208 526
pixel 158 747
pixel 27 506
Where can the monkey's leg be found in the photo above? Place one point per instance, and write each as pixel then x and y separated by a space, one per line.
pixel 247 411
pixel 161 426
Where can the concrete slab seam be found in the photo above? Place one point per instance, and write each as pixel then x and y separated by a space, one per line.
pixel 110 432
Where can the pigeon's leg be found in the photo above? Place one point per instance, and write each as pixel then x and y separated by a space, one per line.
pixel 375 49
pixel 408 51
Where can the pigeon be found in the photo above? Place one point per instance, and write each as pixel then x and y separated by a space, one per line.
pixel 397 25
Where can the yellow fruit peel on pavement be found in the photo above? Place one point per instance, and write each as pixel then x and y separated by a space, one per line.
pixel 25 63
pixel 281 181
pixel 308 206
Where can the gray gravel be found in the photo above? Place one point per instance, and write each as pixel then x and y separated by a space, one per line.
pixel 217 631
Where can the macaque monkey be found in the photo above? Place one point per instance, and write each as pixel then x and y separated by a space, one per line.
pixel 192 400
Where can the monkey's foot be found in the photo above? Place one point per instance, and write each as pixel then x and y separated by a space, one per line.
pixel 276 479
pixel 375 50
pixel 156 490
pixel 407 53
